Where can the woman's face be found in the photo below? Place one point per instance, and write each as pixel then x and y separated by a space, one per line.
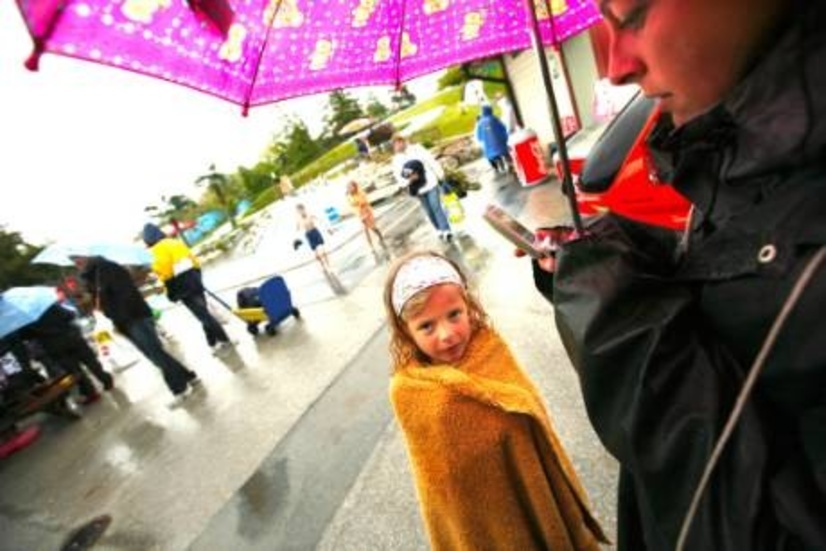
pixel 686 54
pixel 441 328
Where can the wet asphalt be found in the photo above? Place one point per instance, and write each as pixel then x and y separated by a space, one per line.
pixel 291 444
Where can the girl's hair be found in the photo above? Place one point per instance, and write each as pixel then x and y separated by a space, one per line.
pixel 402 347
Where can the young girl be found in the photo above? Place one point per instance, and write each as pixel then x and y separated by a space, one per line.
pixel 307 223
pixel 489 470
pixel 359 202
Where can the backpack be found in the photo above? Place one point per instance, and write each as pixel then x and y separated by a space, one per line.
pixel 414 167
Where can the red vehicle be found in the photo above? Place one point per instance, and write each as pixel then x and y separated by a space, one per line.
pixel 618 174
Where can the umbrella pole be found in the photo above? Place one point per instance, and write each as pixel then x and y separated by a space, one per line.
pixel 562 148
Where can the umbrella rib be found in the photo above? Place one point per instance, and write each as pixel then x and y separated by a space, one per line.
pixel 245 108
pixel 399 44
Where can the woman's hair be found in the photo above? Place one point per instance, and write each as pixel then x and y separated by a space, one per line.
pixel 402 347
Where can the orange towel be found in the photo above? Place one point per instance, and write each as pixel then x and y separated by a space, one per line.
pixel 489 470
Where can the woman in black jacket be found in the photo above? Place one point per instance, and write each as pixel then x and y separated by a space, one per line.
pixel 664 330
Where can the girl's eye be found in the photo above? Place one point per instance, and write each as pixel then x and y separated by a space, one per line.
pixel 425 327
pixel 455 314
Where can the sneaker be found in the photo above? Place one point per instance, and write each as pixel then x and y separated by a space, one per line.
pixel 179 399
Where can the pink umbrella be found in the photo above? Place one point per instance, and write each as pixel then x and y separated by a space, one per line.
pixel 253 52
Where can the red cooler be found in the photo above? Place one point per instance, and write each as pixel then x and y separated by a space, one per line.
pixel 528 157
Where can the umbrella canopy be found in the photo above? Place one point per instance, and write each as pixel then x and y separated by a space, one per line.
pixel 20 306
pixel 355 125
pixel 122 253
pixel 276 49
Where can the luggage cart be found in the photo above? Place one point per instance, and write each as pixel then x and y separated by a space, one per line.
pixel 271 303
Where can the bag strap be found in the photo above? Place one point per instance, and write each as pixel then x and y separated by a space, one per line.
pixel 748 385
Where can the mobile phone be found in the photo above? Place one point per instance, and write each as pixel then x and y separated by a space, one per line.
pixel 513 231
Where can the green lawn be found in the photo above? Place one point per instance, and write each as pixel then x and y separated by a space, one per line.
pixel 456 120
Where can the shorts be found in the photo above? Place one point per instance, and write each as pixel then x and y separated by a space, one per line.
pixel 314 238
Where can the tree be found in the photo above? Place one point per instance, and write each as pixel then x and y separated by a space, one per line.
pixel 218 184
pixel 293 149
pixel 258 178
pixel 16 268
pixel 453 77
pixel 343 109
pixel 179 207
pixel 376 109
pixel 403 98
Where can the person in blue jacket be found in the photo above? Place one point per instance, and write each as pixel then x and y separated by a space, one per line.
pixel 493 136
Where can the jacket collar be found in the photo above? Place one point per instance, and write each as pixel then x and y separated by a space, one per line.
pixel 774 121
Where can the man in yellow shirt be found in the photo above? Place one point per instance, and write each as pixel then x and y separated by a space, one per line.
pixel 178 269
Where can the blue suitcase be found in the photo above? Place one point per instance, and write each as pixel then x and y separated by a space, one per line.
pixel 271 302
pixel 277 302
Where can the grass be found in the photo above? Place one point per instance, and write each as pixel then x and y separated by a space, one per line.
pixel 456 120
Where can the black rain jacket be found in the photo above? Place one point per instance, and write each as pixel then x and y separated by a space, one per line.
pixel 662 336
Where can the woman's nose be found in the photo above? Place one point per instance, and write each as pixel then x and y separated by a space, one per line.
pixel 624 64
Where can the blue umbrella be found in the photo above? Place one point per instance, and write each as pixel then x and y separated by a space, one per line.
pixel 20 306
pixel 122 253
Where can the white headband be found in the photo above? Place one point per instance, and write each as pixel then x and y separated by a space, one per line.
pixel 420 273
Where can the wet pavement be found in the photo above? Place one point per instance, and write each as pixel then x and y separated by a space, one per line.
pixel 291 443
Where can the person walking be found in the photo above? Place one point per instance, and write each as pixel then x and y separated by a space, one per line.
pixel 361 205
pixel 418 172
pixel 489 470
pixel 493 136
pixel 308 224
pixel 116 295
pixel 177 267
pixel 701 356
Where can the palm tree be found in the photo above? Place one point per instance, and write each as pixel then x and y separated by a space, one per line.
pixel 217 183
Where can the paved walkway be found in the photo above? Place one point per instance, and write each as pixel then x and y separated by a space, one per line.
pixel 290 445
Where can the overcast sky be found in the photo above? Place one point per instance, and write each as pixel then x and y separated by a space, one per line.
pixel 84 148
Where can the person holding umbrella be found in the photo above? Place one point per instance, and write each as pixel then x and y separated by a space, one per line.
pixel 62 341
pixel 178 269
pixel 116 295
pixel 701 356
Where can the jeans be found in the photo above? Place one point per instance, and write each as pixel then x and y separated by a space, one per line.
pixel 432 205
pixel 197 304
pixel 143 335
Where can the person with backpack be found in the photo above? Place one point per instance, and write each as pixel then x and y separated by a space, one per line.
pixel 418 172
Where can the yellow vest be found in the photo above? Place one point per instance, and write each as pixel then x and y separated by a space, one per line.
pixel 172 257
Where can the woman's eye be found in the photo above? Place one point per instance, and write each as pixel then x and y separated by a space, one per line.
pixel 633 20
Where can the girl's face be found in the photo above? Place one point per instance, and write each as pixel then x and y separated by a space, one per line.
pixel 442 329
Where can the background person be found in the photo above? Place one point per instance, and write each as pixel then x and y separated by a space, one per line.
pixel 493 136
pixel 116 295
pixel 418 172
pixel 489 469
pixel 178 269
pixel 308 224
pixel 663 330
pixel 361 205
pixel 63 343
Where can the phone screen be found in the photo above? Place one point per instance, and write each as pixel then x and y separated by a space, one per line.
pixel 510 228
